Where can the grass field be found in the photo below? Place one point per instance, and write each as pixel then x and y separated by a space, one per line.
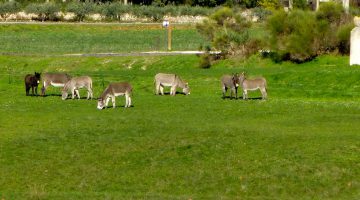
pixel 45 39
pixel 302 143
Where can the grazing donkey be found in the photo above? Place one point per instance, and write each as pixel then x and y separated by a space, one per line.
pixel 54 79
pixel 74 84
pixel 230 82
pixel 113 90
pixel 253 84
pixel 32 81
pixel 170 80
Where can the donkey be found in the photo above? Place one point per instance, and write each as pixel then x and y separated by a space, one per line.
pixel 170 80
pixel 230 82
pixel 114 90
pixel 253 84
pixel 54 79
pixel 32 81
pixel 74 84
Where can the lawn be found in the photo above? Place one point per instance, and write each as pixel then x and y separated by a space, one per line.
pixel 55 39
pixel 301 143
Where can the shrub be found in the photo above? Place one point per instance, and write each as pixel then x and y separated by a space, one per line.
pixel 261 13
pixel 8 8
pixel 114 11
pixel 300 4
pixel 343 38
pixel 331 12
pixel 293 38
pixel 81 9
pixel 227 31
pixel 44 11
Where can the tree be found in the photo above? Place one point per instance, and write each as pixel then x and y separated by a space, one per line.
pixel 8 8
pixel 227 31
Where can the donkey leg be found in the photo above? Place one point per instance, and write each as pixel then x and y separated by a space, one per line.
pixel 126 100
pixel 157 88
pixel 172 93
pixel 244 94
pixel 263 93
pixel 161 90
pixel 36 90
pixel 107 102
pixel 224 89
pixel 129 102
pixel 236 93
pixel 113 101
pixel 77 93
pixel 27 89
pixel 32 90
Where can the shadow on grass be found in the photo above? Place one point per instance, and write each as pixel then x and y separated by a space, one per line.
pixel 168 93
pixel 241 98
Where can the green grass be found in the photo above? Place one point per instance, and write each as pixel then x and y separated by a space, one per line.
pixel 81 38
pixel 302 143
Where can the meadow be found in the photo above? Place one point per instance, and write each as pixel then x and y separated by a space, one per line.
pixel 301 143
pixel 58 39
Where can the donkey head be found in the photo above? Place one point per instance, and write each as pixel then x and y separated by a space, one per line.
pixel 186 89
pixel 101 104
pixel 242 77
pixel 236 79
pixel 64 94
pixel 37 77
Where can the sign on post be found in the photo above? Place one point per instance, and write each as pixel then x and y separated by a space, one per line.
pixel 166 24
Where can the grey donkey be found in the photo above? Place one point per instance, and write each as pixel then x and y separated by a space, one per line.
pixel 230 82
pixel 114 90
pixel 253 84
pixel 170 80
pixel 76 83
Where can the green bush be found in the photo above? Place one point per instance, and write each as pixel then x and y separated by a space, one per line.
pixel 261 13
pixel 81 9
pixel 293 38
pixel 44 11
pixel 300 4
pixel 114 11
pixel 227 31
pixel 331 12
pixel 8 8
pixel 343 38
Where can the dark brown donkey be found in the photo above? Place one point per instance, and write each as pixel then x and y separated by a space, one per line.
pixel 32 81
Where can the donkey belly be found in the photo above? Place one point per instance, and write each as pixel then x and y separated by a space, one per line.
pixel 166 84
pixel 57 84
pixel 119 94
pixel 252 89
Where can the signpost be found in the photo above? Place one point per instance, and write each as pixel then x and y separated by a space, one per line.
pixel 166 24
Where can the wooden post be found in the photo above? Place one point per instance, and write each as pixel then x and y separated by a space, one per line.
pixel 317 5
pixel 169 37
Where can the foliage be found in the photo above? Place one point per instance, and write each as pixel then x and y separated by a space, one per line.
pixel 270 4
pixel 343 38
pixel 261 13
pixel 7 8
pixel 227 31
pixel 300 4
pixel 45 11
pixel 330 12
pixel 293 38
pixel 81 9
pixel 114 11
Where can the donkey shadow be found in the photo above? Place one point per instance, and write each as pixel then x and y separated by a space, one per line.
pixel 168 93
pixel 50 95
pixel 241 98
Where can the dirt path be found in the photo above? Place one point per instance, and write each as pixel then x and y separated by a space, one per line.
pixel 147 53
